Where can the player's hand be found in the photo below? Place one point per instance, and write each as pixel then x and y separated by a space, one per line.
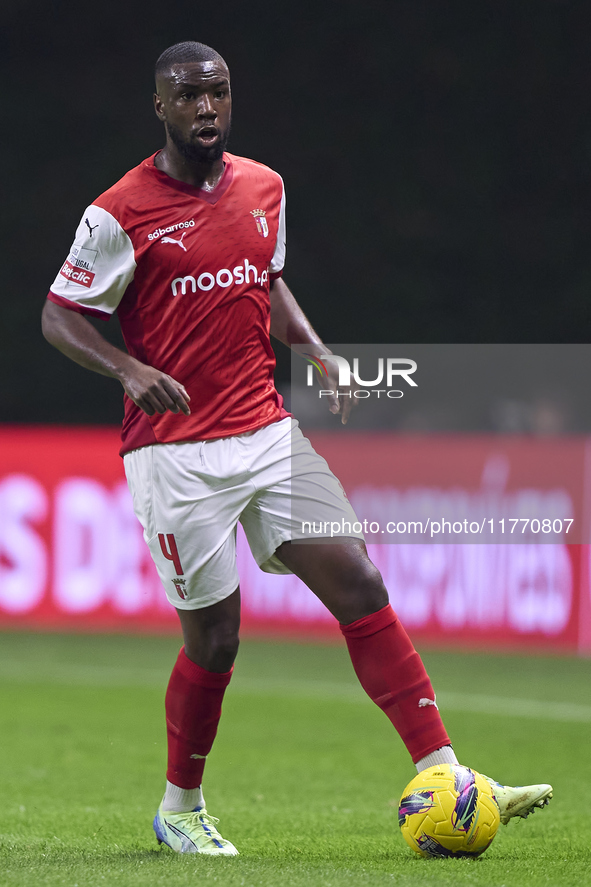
pixel 343 399
pixel 155 392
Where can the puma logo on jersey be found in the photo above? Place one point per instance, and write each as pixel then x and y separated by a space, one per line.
pixel 90 227
pixel 178 242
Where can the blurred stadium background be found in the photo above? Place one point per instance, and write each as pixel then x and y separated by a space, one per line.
pixel 436 160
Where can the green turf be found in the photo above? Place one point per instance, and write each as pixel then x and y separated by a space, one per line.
pixel 305 774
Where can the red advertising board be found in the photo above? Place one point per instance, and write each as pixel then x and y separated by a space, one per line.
pixel 72 554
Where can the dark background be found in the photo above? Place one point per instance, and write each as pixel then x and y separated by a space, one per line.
pixel 436 159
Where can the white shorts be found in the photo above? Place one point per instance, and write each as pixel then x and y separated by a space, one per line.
pixel 190 496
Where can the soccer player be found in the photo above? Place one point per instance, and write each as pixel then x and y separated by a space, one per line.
pixel 188 248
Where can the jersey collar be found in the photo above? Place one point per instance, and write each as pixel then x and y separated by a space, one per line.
pixel 200 193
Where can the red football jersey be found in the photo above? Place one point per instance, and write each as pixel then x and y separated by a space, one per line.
pixel 188 273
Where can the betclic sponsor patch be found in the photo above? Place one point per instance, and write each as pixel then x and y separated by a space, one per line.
pixel 78 266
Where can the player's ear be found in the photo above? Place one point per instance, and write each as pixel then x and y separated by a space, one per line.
pixel 158 103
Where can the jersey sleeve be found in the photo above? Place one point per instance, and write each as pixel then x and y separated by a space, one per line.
pixel 278 260
pixel 99 267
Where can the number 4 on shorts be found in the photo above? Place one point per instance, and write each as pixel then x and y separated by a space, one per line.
pixel 170 551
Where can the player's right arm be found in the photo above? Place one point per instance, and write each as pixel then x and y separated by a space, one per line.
pixel 92 280
pixel 73 335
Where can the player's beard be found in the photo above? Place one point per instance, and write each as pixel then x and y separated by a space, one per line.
pixel 192 150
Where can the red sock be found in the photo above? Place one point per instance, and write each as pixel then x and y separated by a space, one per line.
pixel 392 674
pixel 193 708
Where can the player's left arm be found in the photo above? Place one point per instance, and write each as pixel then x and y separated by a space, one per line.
pixel 290 325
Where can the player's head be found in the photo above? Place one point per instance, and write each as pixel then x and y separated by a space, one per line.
pixel 181 53
pixel 193 100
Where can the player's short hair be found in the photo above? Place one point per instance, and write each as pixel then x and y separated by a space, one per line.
pixel 188 51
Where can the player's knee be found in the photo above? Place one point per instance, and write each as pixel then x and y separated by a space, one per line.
pixel 222 649
pixel 226 644
pixel 366 589
pixel 215 649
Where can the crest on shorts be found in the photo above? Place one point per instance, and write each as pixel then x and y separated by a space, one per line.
pixel 179 584
pixel 261 221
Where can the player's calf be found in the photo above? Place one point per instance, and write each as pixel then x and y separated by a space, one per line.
pixel 392 674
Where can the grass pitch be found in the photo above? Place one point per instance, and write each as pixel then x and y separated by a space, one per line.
pixel 305 774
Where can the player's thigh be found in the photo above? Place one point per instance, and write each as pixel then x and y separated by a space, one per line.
pixel 340 574
pixel 298 497
pixel 189 519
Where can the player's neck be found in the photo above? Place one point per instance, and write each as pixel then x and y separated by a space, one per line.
pixel 199 175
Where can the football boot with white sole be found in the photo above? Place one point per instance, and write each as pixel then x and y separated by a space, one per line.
pixel 519 800
pixel 193 832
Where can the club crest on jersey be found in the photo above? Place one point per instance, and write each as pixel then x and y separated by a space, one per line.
pixel 179 584
pixel 261 222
